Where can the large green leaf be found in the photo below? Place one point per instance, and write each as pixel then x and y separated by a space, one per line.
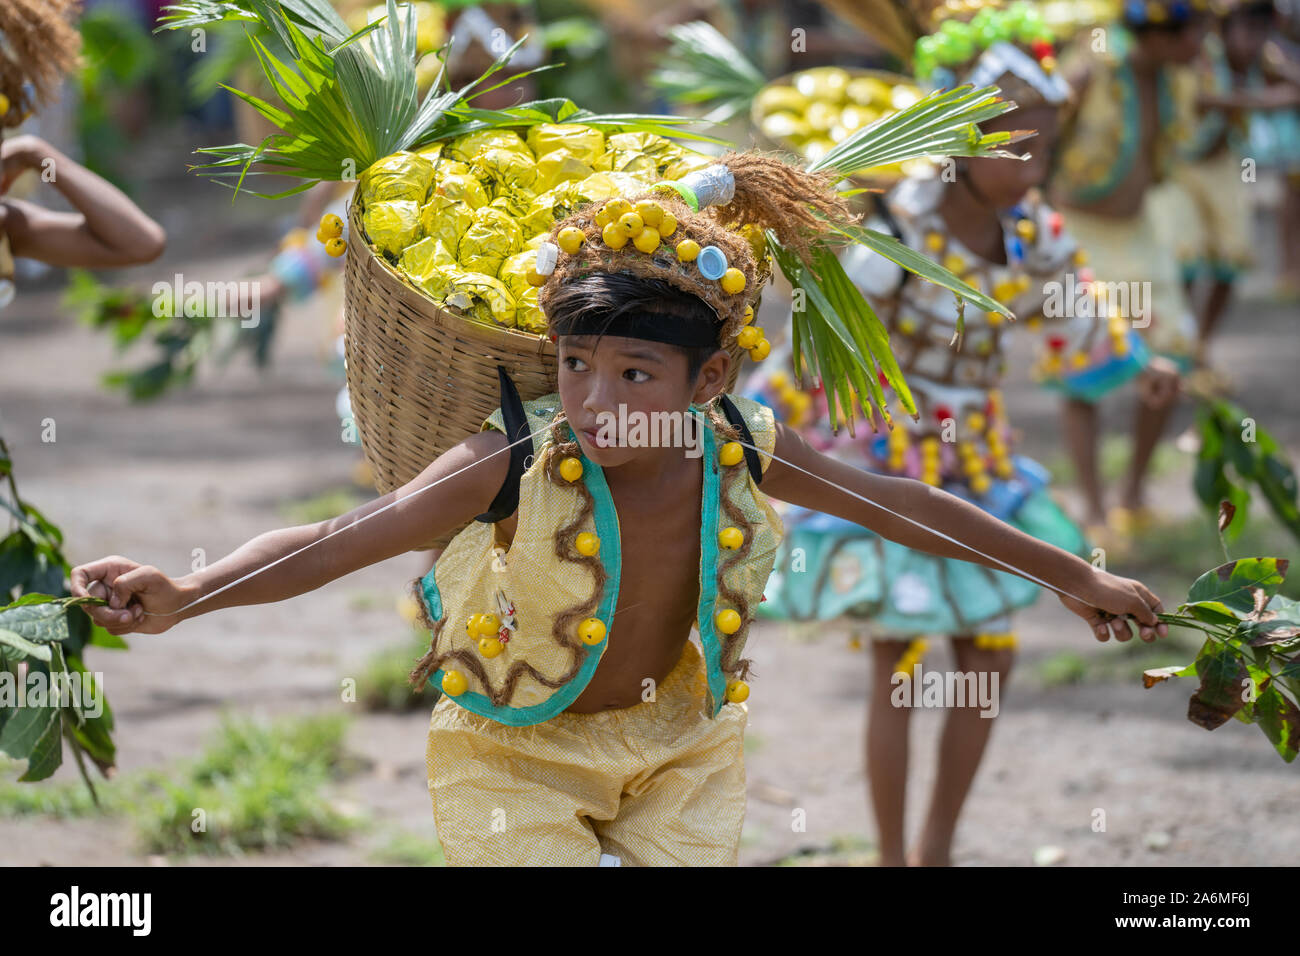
pixel 1223 676
pixel 15 647
pixel 1279 718
pixel 40 623
pixel 1235 585
pixel 33 734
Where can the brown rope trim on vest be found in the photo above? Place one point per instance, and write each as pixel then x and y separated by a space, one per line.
pixel 564 627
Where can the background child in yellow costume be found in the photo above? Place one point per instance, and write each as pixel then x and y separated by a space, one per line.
pixel 1117 144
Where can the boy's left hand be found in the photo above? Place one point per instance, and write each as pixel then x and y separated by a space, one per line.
pixel 1112 598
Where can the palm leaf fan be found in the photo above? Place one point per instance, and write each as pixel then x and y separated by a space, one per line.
pixel 703 68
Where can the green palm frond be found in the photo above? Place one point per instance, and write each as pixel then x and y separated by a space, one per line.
pixel 941 124
pixel 704 68
pixel 837 337
pixel 317 16
pixel 460 120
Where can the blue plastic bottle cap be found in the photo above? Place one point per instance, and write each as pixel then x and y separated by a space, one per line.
pixel 712 262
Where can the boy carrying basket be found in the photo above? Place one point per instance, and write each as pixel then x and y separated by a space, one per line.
pixel 578 720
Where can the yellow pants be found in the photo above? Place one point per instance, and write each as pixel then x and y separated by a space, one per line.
pixel 657 784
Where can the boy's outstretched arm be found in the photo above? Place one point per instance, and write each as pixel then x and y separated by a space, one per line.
pixel 133 589
pixel 107 229
pixel 1095 591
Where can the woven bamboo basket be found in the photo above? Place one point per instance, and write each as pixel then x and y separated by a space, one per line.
pixel 422 378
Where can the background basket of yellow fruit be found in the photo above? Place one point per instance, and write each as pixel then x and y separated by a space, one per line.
pixel 811 111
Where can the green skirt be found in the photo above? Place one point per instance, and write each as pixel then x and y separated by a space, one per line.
pixel 830 568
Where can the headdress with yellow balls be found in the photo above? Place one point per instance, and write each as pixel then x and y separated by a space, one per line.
pixel 702 234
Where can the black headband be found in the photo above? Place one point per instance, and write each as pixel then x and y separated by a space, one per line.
pixel 650 326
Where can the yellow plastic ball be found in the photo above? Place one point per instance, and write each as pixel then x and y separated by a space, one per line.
pixel 587 543
pixel 1026 230
pixel 472 624
pixel 534 279
pixel 748 337
pixel 728 621
pixel 647 240
pixel 603 218
pixel 731 538
pixel 591 631
pixel 570 239
pixel 651 213
pixel 490 647
pixel 488 625
pixel 336 247
pixel 934 241
pixel 737 691
pixel 731 453
pixel 667 225
pixel 331 226
pixel 454 683
pixel 631 224
pixel 571 469
pixel 749 314
pixel 614 236
pixel 616 208
pixel 688 250
pixel 761 351
pixel 732 281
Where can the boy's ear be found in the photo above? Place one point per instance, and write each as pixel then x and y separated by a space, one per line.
pixel 711 380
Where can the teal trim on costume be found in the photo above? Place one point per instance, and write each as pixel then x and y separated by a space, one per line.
pixel 1091 385
pixel 606 519
pixel 851 572
pixel 709 508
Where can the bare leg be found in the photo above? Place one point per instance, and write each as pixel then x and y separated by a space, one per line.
pixel 1155 405
pixel 887 727
pixel 965 734
pixel 1291 230
pixel 1081 436
pixel 1216 304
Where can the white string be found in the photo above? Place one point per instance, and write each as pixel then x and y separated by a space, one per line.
pixel 770 455
pixel 919 524
pixel 377 511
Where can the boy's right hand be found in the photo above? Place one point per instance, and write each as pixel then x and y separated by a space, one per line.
pixel 131 589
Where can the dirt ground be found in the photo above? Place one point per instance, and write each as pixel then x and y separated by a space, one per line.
pixel 214 465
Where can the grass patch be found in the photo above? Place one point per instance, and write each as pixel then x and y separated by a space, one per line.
pixel 57 800
pixel 408 849
pixel 327 504
pixel 1117 663
pixel 843 850
pixel 254 788
pixel 383 684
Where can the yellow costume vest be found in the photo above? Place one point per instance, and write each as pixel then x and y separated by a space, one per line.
pixel 542 590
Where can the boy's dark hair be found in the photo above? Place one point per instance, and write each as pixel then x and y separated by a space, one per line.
pixel 607 296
